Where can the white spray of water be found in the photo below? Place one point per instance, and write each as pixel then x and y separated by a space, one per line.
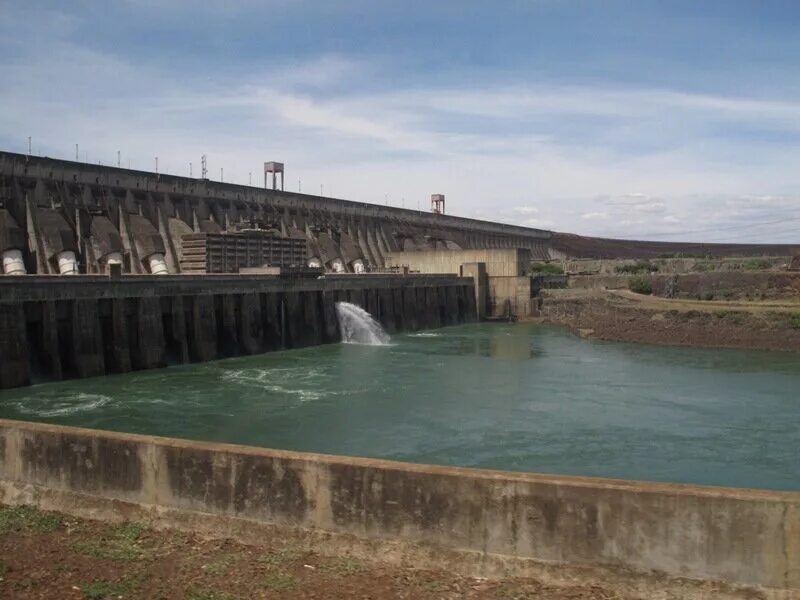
pixel 358 326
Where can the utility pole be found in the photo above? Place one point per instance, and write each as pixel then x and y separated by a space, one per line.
pixel 156 164
pixel 321 189
pixel 299 185
pixel 29 146
pixel 190 168
pixel 220 174
pixel 250 178
pixel 204 164
pixel 119 159
pixel 76 153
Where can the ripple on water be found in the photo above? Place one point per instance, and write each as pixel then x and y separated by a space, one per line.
pixel 69 405
pixel 287 381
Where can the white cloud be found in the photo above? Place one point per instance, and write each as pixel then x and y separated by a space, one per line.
pixel 527 163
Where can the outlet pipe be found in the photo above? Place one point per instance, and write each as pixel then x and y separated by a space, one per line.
pixel 314 263
pixel 158 265
pixel 337 265
pixel 358 266
pixel 67 263
pixel 13 263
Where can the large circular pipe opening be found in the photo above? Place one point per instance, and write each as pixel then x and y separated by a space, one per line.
pixel 13 264
pixel 337 265
pixel 157 264
pixel 67 263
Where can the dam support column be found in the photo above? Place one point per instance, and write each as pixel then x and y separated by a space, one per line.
pixel 251 332
pixel 14 369
pixel 329 317
pixel 203 328
pixel 478 273
pixel 119 344
pixel 87 340
pixel 228 344
pixel 272 325
pixel 149 349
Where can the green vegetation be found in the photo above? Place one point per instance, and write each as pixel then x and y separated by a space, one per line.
pixel 281 557
pixel 794 321
pixel 4 568
pixel 343 566
pixel 111 589
pixel 546 268
pixel 640 285
pixel 757 264
pixel 209 596
pixel 219 567
pixel 122 545
pixel 278 581
pixel 640 266
pixel 19 518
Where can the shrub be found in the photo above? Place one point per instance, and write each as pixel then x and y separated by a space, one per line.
pixel 640 266
pixel 757 264
pixel 640 285
pixel 546 268
pixel 794 321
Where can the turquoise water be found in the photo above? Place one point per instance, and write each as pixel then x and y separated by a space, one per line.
pixel 516 397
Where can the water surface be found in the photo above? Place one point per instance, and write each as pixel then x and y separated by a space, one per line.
pixel 516 397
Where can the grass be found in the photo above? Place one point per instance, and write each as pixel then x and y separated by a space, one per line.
pixel 209 596
pixel 20 518
pixel 219 567
pixel 343 566
pixel 281 557
pixel 4 568
pixel 278 581
pixel 123 544
pixel 794 321
pixel 110 589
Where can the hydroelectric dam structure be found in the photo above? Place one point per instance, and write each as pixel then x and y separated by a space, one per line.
pixel 63 217
pixel 108 270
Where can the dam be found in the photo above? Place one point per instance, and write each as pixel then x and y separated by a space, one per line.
pixel 142 304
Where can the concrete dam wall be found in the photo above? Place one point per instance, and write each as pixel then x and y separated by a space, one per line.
pixel 84 326
pixel 60 217
pixel 651 540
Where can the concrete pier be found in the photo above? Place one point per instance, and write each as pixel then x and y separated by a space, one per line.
pixel 55 327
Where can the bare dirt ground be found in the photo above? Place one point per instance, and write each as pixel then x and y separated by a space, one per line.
pixel 48 555
pixel 621 315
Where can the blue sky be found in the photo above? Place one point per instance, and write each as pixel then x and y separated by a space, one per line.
pixel 668 120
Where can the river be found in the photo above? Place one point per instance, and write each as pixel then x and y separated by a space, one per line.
pixel 515 397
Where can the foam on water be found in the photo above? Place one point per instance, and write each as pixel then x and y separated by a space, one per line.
pixel 79 403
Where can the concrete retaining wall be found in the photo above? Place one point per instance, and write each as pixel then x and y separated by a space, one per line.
pixel 719 285
pixel 651 533
pixel 59 328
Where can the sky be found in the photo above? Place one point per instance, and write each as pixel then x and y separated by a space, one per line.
pixel 671 120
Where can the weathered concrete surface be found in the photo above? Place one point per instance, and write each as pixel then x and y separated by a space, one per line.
pixel 84 326
pixel 670 540
pixel 503 283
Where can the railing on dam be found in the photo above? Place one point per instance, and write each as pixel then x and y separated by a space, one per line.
pixel 653 540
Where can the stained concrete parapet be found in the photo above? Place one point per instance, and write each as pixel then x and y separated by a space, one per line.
pixel 661 540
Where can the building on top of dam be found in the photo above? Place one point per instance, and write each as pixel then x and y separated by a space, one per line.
pixel 64 217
